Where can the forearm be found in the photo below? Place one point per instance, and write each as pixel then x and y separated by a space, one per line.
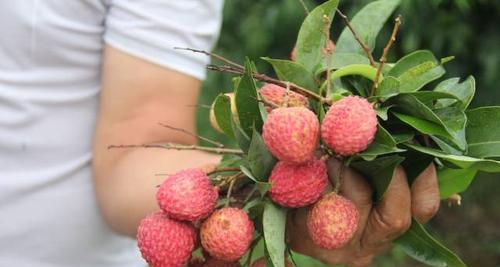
pixel 126 189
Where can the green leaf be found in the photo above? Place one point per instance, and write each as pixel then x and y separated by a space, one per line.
pixel 223 114
pixel 367 23
pixel 423 126
pixel 381 145
pixel 463 162
pixel 453 181
pixel 261 161
pixel 463 91
pixel 451 120
pixel 274 222
pixel 388 87
pixel 293 72
pixel 305 261
pixel 340 60
pixel 402 137
pixel 382 112
pixel 262 187
pixel 380 172
pixel 247 104
pixel 366 71
pixel 416 70
pixel 311 38
pixel 420 245
pixel 483 132
pixel 241 137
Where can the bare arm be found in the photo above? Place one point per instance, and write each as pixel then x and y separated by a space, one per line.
pixel 136 96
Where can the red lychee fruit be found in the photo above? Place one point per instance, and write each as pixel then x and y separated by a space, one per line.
pixel 332 221
pixel 278 95
pixel 292 134
pixel 262 263
pixel 187 195
pixel 298 185
pixel 293 55
pixel 227 234
pixel 349 125
pixel 164 242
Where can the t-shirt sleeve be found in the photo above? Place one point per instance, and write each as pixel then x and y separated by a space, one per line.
pixel 150 29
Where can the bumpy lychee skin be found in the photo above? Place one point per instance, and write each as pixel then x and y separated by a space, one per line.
pixel 278 95
pixel 164 242
pixel 292 134
pixel 262 263
pixel 227 234
pixel 187 195
pixel 332 221
pixel 349 125
pixel 298 185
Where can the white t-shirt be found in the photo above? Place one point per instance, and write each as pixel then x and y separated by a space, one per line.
pixel 50 56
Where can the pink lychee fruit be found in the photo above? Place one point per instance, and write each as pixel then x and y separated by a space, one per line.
pixel 165 242
pixel 227 234
pixel 293 55
pixel 292 134
pixel 298 185
pixel 332 221
pixel 349 125
pixel 262 263
pixel 187 195
pixel 278 95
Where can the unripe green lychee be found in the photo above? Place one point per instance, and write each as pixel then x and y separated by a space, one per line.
pixel 349 125
pixel 262 263
pixel 292 134
pixel 187 195
pixel 279 96
pixel 164 242
pixel 298 185
pixel 234 112
pixel 332 221
pixel 227 234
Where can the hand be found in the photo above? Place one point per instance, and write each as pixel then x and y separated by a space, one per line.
pixel 380 223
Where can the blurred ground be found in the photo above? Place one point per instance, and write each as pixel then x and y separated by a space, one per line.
pixel 467 29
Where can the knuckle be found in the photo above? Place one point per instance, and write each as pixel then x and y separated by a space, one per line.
pixel 395 226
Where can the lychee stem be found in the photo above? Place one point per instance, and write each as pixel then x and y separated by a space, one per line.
pixel 229 190
pixel 221 58
pixel 338 177
pixel 215 143
pixel 383 58
pixel 365 47
pixel 218 170
pixel 306 9
pixel 183 147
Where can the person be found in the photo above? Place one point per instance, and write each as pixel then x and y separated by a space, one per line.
pixel 78 76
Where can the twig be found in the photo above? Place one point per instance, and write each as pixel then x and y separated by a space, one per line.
pixel 250 194
pixel 304 6
pixel 328 53
pixel 267 102
pixel 338 178
pixel 215 143
pixel 216 150
pixel 229 179
pixel 221 58
pixel 267 79
pixel 199 106
pixel 287 95
pixel 383 58
pixel 365 47
pixel 229 190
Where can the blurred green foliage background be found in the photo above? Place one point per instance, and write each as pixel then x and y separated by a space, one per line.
pixel 467 29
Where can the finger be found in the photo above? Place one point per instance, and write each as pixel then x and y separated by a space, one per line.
pixel 425 198
pixel 392 216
